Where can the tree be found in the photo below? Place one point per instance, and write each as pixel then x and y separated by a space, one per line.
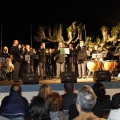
pixel 74 33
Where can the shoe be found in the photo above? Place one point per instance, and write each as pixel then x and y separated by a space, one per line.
pixel 83 77
pixel 80 76
pixel 44 77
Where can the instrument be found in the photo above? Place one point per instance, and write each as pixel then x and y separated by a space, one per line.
pixel 94 65
pixel 104 65
pixel 9 65
pixel 109 65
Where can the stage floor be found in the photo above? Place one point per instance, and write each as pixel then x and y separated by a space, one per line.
pixel 55 81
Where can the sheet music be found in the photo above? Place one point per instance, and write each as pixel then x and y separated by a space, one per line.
pixel 27 57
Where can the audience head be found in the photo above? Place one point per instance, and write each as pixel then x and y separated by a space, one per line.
pixel 87 87
pixel 54 100
pixel 85 101
pixel 44 90
pixel 38 109
pixel 69 86
pixel 16 88
pixel 99 89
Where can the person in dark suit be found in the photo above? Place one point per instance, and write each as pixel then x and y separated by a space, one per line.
pixel 28 58
pixel 60 60
pixel 16 59
pixel 42 60
pixel 71 59
pixel 81 59
pixel 70 95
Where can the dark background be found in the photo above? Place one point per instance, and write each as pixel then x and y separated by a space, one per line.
pixel 17 16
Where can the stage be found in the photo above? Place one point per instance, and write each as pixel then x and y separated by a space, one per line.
pixel 30 90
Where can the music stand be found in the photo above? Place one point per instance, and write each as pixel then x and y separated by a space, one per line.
pixel 64 51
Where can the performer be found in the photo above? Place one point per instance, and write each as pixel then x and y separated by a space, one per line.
pixel 28 58
pixel 71 59
pixel 81 59
pixel 15 53
pixel 60 60
pixel 4 64
pixel 42 60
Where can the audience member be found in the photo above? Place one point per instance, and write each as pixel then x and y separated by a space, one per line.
pixel 14 105
pixel 116 101
pixel 38 109
pixel 87 87
pixel 72 110
pixel 44 90
pixel 103 100
pixel 69 95
pixel 54 100
pixel 85 102
pixel 114 114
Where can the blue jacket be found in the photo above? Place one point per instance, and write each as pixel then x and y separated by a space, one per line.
pixel 13 104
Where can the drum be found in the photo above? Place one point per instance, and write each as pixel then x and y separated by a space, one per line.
pixel 110 65
pixel 93 65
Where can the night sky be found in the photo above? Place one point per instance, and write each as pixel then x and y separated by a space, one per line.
pixel 17 16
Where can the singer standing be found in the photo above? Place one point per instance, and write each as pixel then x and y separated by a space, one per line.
pixel 16 59
pixel 71 59
pixel 60 60
pixel 81 59
pixel 42 60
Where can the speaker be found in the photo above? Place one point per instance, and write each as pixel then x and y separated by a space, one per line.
pixel 68 76
pixel 102 76
pixel 32 78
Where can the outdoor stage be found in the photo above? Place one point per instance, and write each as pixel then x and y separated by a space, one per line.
pixel 30 90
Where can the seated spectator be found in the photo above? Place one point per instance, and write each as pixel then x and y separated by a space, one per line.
pixel 54 100
pixel 14 105
pixel 44 90
pixel 116 101
pixel 70 96
pixel 114 114
pixel 72 110
pixel 85 102
pixel 87 87
pixel 103 101
pixel 38 109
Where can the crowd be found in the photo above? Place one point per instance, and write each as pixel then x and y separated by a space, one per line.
pixel 89 103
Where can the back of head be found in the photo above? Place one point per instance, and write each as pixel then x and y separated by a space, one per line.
pixel 54 100
pixel 16 88
pixel 38 109
pixel 86 100
pixel 87 87
pixel 99 89
pixel 44 90
pixel 69 86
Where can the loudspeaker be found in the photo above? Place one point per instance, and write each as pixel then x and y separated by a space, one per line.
pixel 68 76
pixel 102 76
pixel 32 78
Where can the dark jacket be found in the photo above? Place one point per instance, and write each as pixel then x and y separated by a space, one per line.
pixel 72 56
pixel 42 55
pixel 81 54
pixel 59 58
pixel 71 97
pixel 15 52
pixel 14 103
